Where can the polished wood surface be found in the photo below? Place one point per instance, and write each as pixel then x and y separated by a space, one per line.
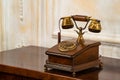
pixel 27 63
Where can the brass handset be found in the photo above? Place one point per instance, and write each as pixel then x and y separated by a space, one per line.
pixel 69 22
pixel 95 26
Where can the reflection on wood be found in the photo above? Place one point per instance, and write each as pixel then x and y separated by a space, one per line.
pixel 27 68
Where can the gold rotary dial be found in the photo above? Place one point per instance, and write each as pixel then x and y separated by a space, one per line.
pixel 66 46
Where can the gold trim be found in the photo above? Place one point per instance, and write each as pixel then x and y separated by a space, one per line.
pixel 66 46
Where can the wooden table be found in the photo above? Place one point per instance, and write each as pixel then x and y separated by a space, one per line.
pixel 27 63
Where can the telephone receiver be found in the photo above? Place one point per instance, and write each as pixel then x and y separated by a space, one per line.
pixel 70 21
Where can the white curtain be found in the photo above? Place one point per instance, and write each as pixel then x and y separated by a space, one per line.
pixel 20 21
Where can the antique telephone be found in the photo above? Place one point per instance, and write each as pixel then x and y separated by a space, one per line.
pixel 75 55
pixel 69 22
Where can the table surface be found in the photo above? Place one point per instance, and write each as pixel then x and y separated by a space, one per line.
pixel 32 58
